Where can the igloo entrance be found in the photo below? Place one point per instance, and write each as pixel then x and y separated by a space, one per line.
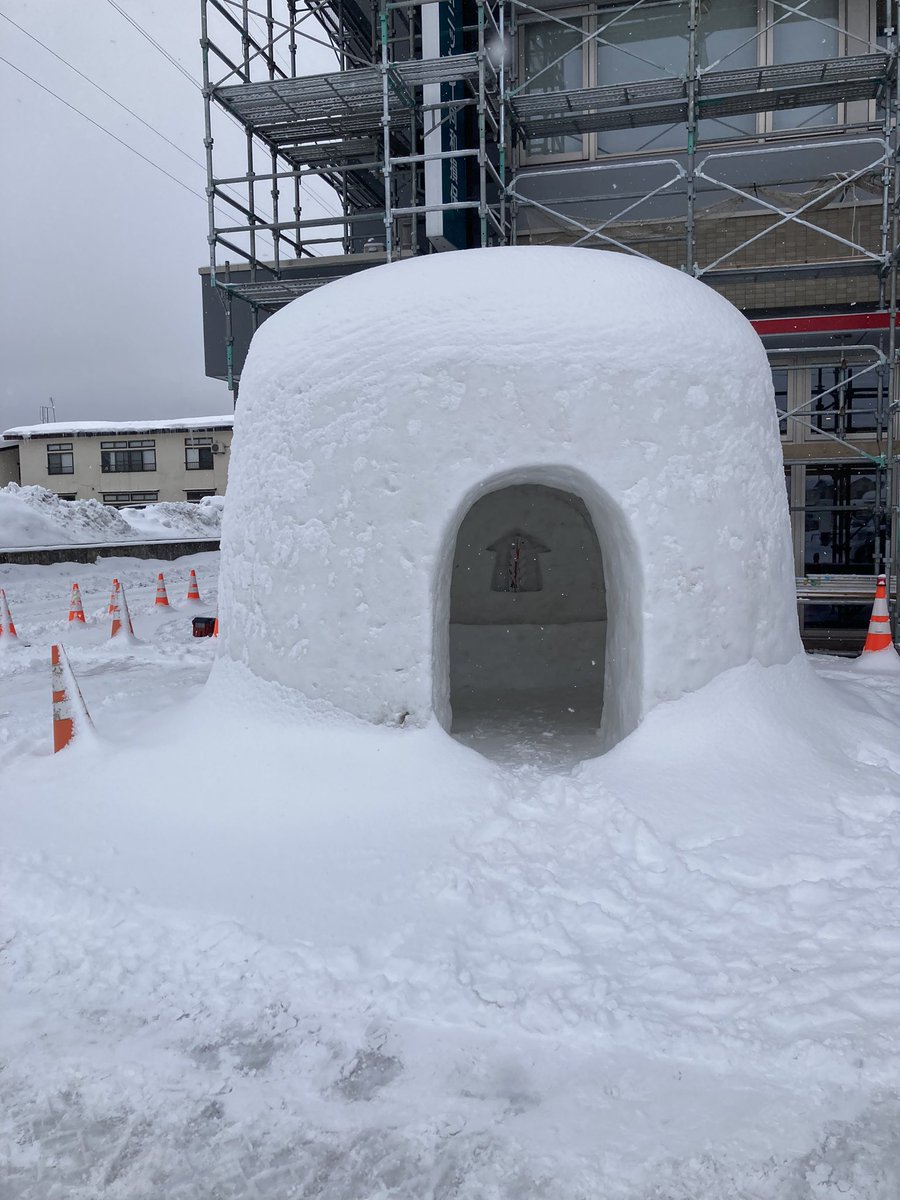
pixel 527 620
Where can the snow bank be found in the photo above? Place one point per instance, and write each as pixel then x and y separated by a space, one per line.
pixel 177 519
pixel 381 407
pixel 32 516
pixel 254 947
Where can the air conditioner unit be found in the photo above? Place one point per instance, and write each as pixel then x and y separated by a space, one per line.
pixel 217 449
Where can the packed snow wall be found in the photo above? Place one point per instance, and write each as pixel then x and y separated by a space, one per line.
pixel 377 411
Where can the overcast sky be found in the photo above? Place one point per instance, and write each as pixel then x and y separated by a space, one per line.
pixel 99 291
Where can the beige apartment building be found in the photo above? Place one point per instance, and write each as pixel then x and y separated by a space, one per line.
pixel 121 462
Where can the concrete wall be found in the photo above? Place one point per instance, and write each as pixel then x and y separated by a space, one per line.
pixel 168 551
pixel 171 479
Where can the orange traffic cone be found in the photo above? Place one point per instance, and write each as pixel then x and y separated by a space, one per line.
pixel 76 609
pixel 113 599
pixel 879 635
pixel 193 589
pixel 7 629
pixel 121 617
pixel 162 598
pixel 70 714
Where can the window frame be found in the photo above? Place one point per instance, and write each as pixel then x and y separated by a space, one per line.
pixel 145 447
pixel 765 47
pixel 765 121
pixel 586 15
pixel 121 499
pixel 197 446
pixel 60 451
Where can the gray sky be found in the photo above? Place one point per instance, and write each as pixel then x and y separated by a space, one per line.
pixel 99 292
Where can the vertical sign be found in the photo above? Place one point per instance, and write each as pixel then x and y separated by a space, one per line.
pixel 446 179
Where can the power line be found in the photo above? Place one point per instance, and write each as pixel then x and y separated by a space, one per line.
pixel 109 132
pixel 190 78
pixel 103 129
pixel 110 96
pixel 155 44
pixel 103 91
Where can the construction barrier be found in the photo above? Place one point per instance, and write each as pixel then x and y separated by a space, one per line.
pixel 879 635
pixel 121 617
pixel 193 588
pixel 70 714
pixel 76 608
pixel 162 599
pixel 7 629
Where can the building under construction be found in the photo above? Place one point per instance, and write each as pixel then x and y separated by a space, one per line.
pixel 751 143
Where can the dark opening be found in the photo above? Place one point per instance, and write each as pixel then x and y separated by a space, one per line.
pixel 527 622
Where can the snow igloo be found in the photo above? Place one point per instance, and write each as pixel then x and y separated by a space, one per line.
pixel 466 481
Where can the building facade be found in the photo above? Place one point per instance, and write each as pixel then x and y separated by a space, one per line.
pixel 123 462
pixel 9 463
pixel 750 143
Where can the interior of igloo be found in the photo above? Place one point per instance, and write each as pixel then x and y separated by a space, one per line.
pixel 528 621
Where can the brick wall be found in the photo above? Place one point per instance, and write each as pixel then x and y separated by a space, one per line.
pixel 788 244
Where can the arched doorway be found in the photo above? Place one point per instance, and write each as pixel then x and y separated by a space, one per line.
pixel 527 621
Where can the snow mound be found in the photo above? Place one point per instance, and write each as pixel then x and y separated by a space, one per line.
pixel 178 519
pixel 33 517
pixel 382 408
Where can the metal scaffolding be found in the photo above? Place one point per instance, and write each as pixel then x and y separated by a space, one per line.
pixel 772 218
pixel 360 129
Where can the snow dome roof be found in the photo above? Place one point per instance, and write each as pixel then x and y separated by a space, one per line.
pixel 377 410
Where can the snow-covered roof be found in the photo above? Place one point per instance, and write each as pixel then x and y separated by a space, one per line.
pixel 89 428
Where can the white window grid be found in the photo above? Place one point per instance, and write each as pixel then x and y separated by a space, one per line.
pixel 594 20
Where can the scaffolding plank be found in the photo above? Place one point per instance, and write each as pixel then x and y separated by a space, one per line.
pixel 339 104
pixel 856 265
pixel 720 94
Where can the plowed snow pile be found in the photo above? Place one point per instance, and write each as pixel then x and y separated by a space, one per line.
pixel 255 950
pixel 33 517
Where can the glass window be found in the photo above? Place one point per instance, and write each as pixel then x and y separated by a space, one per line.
pixel 826 398
pixel 114 461
pixel 861 397
pixel 836 616
pixel 60 458
pixel 554 62
pixel 780 381
pixel 198 458
pixel 844 399
pixel 118 498
pixel 727 41
pixel 647 42
pixel 842 519
pixel 804 37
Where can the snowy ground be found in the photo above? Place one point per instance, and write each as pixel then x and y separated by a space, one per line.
pixel 252 950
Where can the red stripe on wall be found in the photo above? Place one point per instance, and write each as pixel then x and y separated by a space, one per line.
pixel 832 323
